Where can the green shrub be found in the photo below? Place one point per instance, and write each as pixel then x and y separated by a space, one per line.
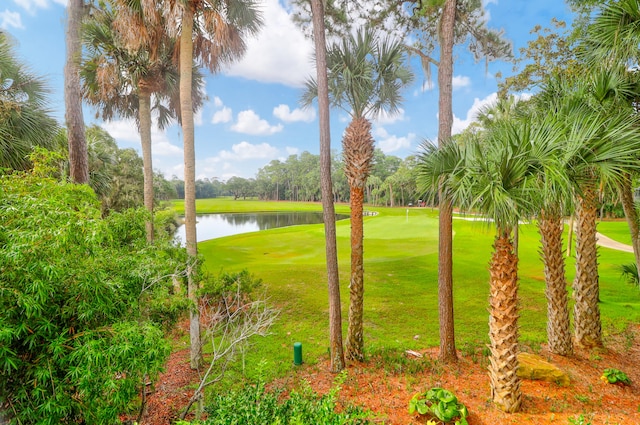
pixel 255 405
pixel 615 376
pixel 441 404
pixel 629 273
pixel 225 283
pixel 77 294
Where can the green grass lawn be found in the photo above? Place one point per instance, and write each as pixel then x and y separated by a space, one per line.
pixel 401 309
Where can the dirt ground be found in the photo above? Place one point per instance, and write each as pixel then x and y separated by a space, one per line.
pixel 386 392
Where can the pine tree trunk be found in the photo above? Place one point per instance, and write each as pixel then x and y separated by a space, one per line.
pixel 328 210
pixel 503 325
pixel 445 230
pixel 586 287
pixel 355 340
pixel 78 155
pixel 144 113
pixel 625 190
pixel 558 322
pixel 186 106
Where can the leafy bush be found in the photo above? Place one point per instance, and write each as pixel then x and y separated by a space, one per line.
pixel 225 283
pixel 629 273
pixel 441 404
pixel 615 376
pixel 255 405
pixel 580 420
pixel 76 335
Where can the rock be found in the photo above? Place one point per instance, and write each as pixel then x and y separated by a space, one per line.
pixel 535 367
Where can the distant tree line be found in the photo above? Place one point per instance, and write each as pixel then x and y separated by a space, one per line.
pixel 392 181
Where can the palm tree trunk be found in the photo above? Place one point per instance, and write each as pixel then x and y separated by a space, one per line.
pixel 328 210
pixel 78 155
pixel 390 195
pixel 625 190
pixel 357 148
pixel 445 240
pixel 186 106
pixel 144 114
pixel 503 325
pixel 355 340
pixel 558 322
pixel 586 287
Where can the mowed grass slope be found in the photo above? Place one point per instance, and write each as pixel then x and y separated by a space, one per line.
pixel 401 307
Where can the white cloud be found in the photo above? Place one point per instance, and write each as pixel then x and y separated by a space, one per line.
pixel 10 19
pixel 222 116
pixel 246 150
pixel 126 133
pixel 250 123
pixel 31 5
pixel 279 54
pixel 291 150
pixel 385 118
pixel 217 102
pixel 391 143
pixel 460 81
pixel 460 124
pixel 285 114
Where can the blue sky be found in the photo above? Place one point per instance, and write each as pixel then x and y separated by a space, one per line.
pixel 253 114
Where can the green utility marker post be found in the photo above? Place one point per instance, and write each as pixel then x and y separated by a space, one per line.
pixel 297 353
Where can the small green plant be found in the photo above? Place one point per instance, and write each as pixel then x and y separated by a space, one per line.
pixel 615 376
pixel 582 398
pixel 629 273
pixel 441 404
pixel 580 420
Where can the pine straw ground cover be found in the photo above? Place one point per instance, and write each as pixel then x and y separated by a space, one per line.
pixel 386 382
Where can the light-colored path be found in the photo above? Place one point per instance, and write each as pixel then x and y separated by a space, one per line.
pixel 606 242
pixel 601 239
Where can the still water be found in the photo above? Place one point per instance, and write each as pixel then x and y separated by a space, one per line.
pixel 211 226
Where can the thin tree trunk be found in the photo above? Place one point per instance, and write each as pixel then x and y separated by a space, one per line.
pixel 328 210
pixel 586 286
pixel 628 205
pixel 558 322
pixel 144 112
pixel 355 339
pixel 78 155
pixel 445 240
pixel 390 195
pixel 503 325
pixel 186 106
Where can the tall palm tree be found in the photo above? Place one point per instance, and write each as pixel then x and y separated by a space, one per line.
pixel 214 32
pixel 601 147
pixel 493 172
pixel 553 200
pixel 78 156
pixel 25 119
pixel 132 83
pixel 366 74
pixel 613 37
pixel 328 210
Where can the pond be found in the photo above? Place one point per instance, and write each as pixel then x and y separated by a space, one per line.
pixel 211 226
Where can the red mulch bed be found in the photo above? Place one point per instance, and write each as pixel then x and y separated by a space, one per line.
pixel 387 394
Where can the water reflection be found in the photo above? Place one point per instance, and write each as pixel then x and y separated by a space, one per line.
pixel 211 226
